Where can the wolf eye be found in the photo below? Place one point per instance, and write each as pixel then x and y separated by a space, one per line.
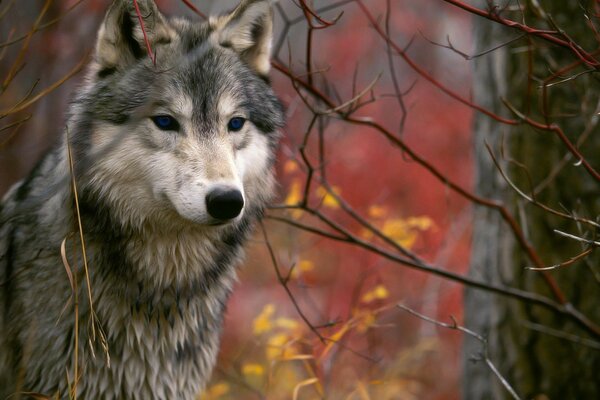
pixel 165 122
pixel 236 123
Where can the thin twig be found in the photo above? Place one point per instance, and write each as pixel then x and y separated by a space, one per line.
pixel 24 104
pixel 484 344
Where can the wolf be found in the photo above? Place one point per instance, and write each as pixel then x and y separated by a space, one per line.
pixel 119 250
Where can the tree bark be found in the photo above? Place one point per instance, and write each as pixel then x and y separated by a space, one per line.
pixel 538 365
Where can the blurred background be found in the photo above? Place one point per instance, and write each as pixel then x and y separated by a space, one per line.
pixel 311 317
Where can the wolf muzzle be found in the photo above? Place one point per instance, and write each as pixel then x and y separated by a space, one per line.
pixel 224 203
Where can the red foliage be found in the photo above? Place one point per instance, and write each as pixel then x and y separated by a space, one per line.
pixel 369 172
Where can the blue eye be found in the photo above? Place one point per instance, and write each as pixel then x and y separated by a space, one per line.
pixel 165 122
pixel 236 123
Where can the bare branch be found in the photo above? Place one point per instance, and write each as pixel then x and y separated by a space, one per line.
pixel 481 339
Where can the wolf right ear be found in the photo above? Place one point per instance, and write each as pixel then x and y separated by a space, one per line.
pixel 249 31
pixel 120 38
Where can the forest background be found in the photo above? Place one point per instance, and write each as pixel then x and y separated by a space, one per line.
pixel 404 179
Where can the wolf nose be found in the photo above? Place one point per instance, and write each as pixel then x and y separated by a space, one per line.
pixel 224 203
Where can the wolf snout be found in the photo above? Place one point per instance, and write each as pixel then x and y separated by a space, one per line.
pixel 224 203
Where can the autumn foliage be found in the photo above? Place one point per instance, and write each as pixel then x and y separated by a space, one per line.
pixel 315 317
pixel 375 173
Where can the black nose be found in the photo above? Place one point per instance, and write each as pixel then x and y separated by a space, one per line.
pixel 224 203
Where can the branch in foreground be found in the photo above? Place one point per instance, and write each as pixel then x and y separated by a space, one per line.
pixel 550 36
pixel 284 281
pixel 26 102
pixel 484 344
pixel 532 298
pixel 438 174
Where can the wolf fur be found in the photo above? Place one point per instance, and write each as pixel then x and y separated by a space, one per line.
pixel 160 266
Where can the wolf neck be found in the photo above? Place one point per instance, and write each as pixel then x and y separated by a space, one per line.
pixel 160 298
pixel 154 268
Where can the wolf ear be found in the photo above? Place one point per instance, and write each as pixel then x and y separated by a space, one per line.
pixel 121 39
pixel 249 31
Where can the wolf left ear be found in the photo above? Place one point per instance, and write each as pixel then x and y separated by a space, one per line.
pixel 120 38
pixel 249 31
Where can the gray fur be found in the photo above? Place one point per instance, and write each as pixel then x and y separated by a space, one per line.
pixel 160 272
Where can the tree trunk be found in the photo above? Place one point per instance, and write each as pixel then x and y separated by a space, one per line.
pixel 523 339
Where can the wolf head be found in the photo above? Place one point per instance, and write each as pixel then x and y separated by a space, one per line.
pixel 177 123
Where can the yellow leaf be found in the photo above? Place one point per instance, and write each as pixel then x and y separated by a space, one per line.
pixel 290 166
pixel 376 211
pixel 404 231
pixel 399 231
pixel 278 340
pixel 328 199
pixel 253 369
pixel 366 233
pixel 275 345
pixel 380 292
pixel 294 197
pixel 262 323
pixel 215 391
pixel 421 223
pixel 295 194
pixel 280 346
pixel 366 322
pixel 302 266
pixel 305 265
pixel 287 323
